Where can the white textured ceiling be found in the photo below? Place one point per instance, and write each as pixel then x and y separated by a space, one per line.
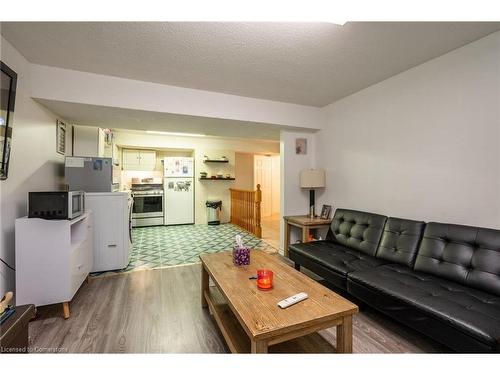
pixel 306 63
pixel 112 117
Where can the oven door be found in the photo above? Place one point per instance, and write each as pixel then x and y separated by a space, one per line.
pixel 147 206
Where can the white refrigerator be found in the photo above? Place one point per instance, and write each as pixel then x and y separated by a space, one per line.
pixel 178 188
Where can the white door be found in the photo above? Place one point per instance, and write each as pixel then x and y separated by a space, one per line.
pixel 263 177
pixel 179 200
pixel 276 183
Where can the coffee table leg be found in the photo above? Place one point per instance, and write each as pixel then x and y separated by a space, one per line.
pixel 204 286
pixel 259 347
pixel 344 335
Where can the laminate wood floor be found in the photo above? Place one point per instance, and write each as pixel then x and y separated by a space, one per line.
pixel 158 311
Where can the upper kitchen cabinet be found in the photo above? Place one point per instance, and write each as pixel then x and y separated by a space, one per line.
pixel 91 141
pixel 139 160
pixel 88 141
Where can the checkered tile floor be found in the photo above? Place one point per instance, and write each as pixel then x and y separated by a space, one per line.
pixel 157 247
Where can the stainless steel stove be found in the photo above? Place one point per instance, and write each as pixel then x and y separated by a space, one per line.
pixel 148 205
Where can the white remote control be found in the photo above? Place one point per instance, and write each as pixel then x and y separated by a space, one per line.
pixel 292 300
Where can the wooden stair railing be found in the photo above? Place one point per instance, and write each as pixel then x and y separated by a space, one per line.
pixel 245 210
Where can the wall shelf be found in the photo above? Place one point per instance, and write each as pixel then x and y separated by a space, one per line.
pixel 216 179
pixel 215 161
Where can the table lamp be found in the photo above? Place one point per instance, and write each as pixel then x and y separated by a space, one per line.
pixel 311 179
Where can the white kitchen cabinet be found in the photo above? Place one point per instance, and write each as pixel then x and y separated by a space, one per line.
pixel 91 141
pixel 139 160
pixel 130 159
pixel 148 158
pixel 88 141
pixel 112 239
pixel 115 153
pixel 53 259
pixel 111 151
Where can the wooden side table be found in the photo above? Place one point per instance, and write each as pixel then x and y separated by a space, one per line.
pixel 305 223
pixel 14 331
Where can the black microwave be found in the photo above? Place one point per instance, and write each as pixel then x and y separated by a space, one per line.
pixel 56 205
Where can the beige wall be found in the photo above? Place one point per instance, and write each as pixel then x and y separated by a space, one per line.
pixel 244 166
pixel 34 164
pixel 213 148
pixel 424 144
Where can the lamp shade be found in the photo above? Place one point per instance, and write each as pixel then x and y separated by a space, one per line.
pixel 312 178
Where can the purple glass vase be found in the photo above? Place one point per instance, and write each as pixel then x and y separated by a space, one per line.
pixel 241 256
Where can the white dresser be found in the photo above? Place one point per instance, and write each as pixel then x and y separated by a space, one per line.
pixel 53 259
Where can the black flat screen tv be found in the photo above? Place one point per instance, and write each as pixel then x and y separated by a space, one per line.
pixel 8 81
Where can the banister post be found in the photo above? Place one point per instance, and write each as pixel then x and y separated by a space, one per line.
pixel 258 199
pixel 232 205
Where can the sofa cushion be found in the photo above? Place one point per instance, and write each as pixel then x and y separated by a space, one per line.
pixel 466 255
pixel 400 240
pixel 336 257
pixel 469 310
pixel 358 230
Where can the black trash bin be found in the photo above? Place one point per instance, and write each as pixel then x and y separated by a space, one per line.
pixel 213 212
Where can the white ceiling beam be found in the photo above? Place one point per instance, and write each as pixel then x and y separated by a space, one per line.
pixel 73 86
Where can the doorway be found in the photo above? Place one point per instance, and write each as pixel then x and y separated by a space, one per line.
pixel 267 175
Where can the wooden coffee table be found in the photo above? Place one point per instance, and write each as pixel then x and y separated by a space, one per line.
pixel 250 319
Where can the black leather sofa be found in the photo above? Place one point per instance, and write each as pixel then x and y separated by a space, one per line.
pixel 440 279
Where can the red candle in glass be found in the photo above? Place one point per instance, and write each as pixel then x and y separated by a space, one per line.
pixel 264 279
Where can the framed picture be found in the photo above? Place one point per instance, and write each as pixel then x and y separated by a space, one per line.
pixel 325 211
pixel 301 146
pixel 61 137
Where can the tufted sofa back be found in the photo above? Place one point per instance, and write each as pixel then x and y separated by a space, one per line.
pixel 400 240
pixel 358 230
pixel 467 255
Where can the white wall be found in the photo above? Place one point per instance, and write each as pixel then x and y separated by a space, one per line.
pixel 244 171
pixel 294 200
pixel 213 148
pixel 34 165
pixel 424 144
